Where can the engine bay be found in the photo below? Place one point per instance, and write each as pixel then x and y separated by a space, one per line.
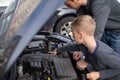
pixel 36 63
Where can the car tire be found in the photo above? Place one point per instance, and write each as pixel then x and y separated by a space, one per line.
pixel 62 26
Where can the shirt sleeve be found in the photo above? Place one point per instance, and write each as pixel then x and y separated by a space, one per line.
pixel 70 47
pixel 112 63
pixel 101 13
pixel 90 67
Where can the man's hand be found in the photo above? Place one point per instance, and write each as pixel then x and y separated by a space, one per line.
pixel 93 75
pixel 81 64
pixel 77 55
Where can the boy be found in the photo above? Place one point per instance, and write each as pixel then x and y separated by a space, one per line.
pixel 105 61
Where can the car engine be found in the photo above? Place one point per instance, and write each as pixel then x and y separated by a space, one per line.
pixel 36 63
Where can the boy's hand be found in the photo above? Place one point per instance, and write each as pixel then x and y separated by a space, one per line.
pixel 81 64
pixel 93 75
pixel 53 52
pixel 77 55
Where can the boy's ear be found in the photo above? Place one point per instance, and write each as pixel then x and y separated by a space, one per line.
pixel 80 35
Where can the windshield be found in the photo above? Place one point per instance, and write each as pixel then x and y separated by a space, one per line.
pixel 5 20
pixel 10 26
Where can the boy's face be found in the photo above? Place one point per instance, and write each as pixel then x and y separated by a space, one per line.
pixel 77 36
pixel 75 4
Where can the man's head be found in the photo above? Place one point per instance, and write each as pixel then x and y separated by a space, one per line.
pixel 83 26
pixel 75 4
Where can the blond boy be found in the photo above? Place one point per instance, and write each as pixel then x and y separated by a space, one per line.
pixel 105 61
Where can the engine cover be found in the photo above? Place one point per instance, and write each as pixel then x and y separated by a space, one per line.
pixel 44 66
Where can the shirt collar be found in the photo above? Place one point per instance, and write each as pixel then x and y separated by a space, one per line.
pixel 97 45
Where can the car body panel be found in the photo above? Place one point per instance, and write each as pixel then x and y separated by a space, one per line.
pixel 3 5
pixel 63 10
pixel 26 32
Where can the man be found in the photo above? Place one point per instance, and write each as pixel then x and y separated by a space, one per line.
pixel 107 16
pixel 104 60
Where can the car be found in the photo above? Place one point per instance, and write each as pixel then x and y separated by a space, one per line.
pixel 63 23
pixel 2 8
pixel 3 5
pixel 24 46
pixel 61 20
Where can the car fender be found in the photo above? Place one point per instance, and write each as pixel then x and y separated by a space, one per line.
pixel 61 17
pixel 66 11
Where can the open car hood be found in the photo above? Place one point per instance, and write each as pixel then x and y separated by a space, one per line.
pixel 24 35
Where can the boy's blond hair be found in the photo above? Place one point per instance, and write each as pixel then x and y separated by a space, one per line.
pixel 84 23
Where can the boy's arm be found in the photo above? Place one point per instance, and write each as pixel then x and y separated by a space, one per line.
pixel 90 67
pixel 69 47
pixel 112 62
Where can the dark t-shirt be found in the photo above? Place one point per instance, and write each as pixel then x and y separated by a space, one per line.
pixel 104 59
pixel 106 14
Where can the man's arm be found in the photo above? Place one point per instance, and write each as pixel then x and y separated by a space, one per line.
pixel 101 12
